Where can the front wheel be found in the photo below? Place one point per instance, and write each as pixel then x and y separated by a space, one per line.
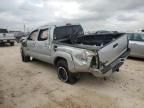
pixel 25 58
pixel 64 74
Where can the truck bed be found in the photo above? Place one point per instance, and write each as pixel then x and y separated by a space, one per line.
pixel 92 41
pixel 109 46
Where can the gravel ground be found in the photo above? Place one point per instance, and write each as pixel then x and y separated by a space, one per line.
pixel 35 85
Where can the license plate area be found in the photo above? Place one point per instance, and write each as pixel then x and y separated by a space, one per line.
pixel 4 40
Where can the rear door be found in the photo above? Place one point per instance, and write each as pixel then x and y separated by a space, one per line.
pixel 113 50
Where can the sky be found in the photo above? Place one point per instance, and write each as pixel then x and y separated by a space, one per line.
pixel 93 15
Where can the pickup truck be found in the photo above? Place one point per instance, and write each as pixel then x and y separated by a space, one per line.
pixel 6 37
pixel 73 52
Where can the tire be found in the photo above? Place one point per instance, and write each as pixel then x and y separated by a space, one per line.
pixel 12 44
pixel 24 57
pixel 63 72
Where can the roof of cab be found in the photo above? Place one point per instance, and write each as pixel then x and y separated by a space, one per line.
pixel 57 25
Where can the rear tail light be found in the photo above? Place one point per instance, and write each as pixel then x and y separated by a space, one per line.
pixel 95 62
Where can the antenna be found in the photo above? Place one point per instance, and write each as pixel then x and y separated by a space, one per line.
pixel 24 27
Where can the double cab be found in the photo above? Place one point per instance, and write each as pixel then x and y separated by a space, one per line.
pixel 72 52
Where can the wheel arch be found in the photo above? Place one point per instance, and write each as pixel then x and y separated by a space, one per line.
pixel 67 57
pixel 58 59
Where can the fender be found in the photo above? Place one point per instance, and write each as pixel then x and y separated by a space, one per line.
pixel 68 57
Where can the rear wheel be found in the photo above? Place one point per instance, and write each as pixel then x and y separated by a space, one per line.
pixel 64 74
pixel 25 58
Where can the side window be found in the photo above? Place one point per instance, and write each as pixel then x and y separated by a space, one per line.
pixel 142 37
pixel 33 35
pixel 138 37
pixel 131 36
pixel 43 35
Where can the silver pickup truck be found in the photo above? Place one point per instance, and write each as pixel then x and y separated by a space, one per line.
pixel 6 37
pixel 73 52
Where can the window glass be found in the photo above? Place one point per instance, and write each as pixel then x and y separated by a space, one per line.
pixel 131 36
pixel 139 37
pixel 60 32
pixel 142 36
pixel 33 35
pixel 43 35
pixel 3 30
pixel 65 31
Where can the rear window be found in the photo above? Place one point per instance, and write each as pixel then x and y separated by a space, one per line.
pixel 3 31
pixel 65 31
pixel 139 37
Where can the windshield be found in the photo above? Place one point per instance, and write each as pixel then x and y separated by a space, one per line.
pixel 65 31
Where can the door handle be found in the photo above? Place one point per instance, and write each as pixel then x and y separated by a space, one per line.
pixel 55 47
pixel 115 45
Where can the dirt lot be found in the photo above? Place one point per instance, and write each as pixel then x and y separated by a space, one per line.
pixel 35 85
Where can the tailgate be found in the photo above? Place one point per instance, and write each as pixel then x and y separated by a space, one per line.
pixel 6 36
pixel 113 50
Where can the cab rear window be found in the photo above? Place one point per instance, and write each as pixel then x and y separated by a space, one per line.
pixel 63 32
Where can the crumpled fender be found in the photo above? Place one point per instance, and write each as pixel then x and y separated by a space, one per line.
pixel 68 57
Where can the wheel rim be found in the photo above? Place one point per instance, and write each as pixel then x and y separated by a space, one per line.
pixel 62 73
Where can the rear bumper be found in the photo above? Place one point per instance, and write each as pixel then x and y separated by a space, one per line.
pixel 113 67
pixel 7 41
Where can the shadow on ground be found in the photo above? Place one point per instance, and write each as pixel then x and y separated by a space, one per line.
pixel 85 78
pixel 136 59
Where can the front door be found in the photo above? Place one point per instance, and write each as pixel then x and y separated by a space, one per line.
pixel 43 47
pixel 31 43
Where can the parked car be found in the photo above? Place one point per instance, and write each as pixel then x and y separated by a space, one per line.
pixel 105 32
pixel 6 37
pixel 72 52
pixel 136 44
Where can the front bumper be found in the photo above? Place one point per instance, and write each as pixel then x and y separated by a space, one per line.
pixel 113 67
